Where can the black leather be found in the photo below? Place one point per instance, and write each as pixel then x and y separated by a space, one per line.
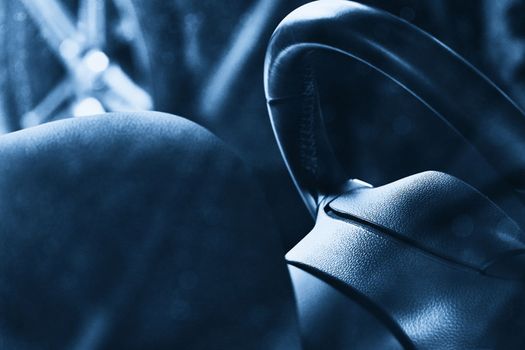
pixel 331 320
pixel 432 259
pixel 136 231
pixel 434 281
pixel 440 215
pixel 431 72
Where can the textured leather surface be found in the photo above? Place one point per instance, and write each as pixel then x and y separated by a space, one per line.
pixel 415 278
pixel 439 264
pixel 329 319
pixel 136 231
pixel 450 87
pixel 441 215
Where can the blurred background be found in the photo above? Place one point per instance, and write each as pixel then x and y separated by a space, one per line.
pixel 204 60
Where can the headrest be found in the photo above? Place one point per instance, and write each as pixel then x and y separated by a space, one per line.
pixel 135 231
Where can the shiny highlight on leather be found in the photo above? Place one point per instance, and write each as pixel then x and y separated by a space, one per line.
pixel 481 114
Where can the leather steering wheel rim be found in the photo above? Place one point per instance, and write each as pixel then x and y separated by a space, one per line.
pixel 482 114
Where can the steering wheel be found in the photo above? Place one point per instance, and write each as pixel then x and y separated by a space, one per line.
pixel 393 250
pixel 445 83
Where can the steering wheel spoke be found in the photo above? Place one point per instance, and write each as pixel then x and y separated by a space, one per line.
pixel 57 28
pixel 92 22
pixel 44 110
pixel 122 93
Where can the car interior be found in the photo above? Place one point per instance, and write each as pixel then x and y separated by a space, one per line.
pixel 262 174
